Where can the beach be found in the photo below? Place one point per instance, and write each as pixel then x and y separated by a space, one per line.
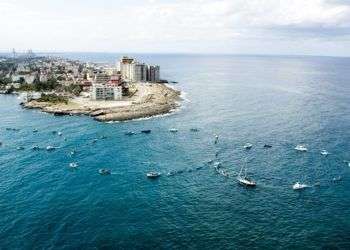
pixel 147 100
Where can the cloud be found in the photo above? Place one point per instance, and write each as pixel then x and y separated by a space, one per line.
pixel 173 26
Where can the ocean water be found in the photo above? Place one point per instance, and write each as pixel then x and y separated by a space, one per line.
pixel 282 101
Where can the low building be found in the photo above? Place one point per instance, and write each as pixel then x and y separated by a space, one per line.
pixel 107 92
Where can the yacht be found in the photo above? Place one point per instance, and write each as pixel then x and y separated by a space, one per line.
pixel 248 146
pixel 301 148
pixel 299 186
pixel 244 180
pixel 324 152
pixel 104 171
pixel 153 175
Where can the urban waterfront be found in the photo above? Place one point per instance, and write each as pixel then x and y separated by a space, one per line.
pixel 282 101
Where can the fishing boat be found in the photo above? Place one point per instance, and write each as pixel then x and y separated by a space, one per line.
pixel 104 171
pixel 153 175
pixel 244 179
pixel 146 131
pixel 299 186
pixel 173 130
pixel 129 133
pixel 324 152
pixel 301 148
pixel 73 165
pixel 248 146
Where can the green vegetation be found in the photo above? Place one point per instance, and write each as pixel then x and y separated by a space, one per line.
pixel 4 80
pixel 53 98
pixel 73 89
pixel 50 85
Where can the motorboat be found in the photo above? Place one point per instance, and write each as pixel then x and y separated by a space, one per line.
pixel 194 129
pixel 50 148
pixel 248 146
pixel 59 134
pixel 301 148
pixel 73 165
pixel 129 133
pixel 20 148
pixel 299 186
pixel 35 130
pixel 267 146
pixel 104 171
pixel 146 131
pixel 216 139
pixel 173 130
pixel 324 152
pixel 153 175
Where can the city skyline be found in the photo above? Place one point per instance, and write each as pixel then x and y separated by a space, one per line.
pixel 318 27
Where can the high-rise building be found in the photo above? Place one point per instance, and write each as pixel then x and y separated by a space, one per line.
pixel 153 73
pixel 126 65
pixel 140 71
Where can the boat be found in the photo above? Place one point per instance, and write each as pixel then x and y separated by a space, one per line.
pixel 337 178
pixel 194 129
pixel 59 134
pixel 171 173
pixel 324 152
pixel 299 186
pixel 224 173
pixel 36 148
pixel 153 175
pixel 248 146
pixel 20 148
pixel 146 131
pixel 104 171
pixel 73 152
pixel 94 140
pixel 267 146
pixel 129 133
pixel 244 180
pixel 73 165
pixel 216 139
pixel 50 148
pixel 35 130
pixel 301 148
pixel 103 137
pixel 173 130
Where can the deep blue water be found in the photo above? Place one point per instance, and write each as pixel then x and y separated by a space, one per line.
pixel 282 101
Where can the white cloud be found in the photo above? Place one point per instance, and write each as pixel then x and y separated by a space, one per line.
pixel 173 26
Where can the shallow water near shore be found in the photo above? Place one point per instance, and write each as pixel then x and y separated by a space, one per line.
pixel 282 101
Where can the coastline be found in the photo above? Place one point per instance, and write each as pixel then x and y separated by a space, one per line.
pixel 150 100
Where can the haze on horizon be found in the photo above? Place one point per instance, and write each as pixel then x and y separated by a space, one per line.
pixel 289 27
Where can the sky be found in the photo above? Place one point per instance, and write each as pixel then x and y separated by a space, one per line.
pixel 285 27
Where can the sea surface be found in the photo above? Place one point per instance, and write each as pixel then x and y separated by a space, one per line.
pixel 282 101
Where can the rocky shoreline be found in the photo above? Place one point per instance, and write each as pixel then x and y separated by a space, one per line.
pixel 150 100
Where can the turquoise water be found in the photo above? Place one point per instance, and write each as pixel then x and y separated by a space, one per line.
pixel 282 101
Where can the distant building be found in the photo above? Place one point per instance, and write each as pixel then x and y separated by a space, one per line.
pixel 139 73
pixel 126 65
pixel 153 74
pixel 103 89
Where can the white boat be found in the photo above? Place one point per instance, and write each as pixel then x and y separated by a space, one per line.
pixel 299 186
pixel 248 146
pixel 59 134
pixel 20 148
pixel 50 148
pixel 301 148
pixel 324 152
pixel 216 139
pixel 73 165
pixel 244 180
pixel 153 175
pixel 173 130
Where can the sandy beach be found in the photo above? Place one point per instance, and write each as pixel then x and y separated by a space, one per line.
pixel 147 100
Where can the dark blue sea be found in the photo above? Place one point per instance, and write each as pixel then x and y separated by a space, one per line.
pixel 282 101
